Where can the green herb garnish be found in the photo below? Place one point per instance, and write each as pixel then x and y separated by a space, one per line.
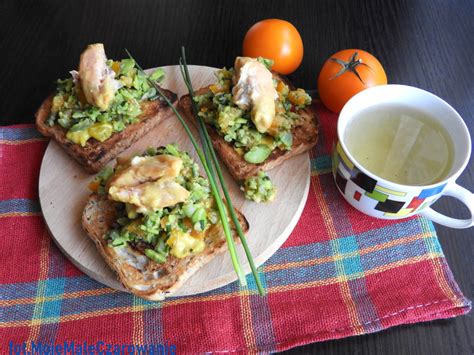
pixel 211 165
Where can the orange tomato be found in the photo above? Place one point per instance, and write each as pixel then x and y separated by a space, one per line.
pixel 275 39
pixel 345 74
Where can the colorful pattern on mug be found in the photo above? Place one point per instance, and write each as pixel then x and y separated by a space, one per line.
pixel 374 197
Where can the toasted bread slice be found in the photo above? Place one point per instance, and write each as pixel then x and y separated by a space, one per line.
pixel 305 136
pixel 141 276
pixel 95 155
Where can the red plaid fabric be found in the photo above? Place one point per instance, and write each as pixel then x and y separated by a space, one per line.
pixel 339 274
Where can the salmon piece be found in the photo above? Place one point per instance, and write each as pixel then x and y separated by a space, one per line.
pixel 96 78
pixel 253 88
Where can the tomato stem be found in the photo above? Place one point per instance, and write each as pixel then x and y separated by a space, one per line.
pixel 350 66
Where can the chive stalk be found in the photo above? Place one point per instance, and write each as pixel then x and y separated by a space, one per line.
pixel 214 188
pixel 205 138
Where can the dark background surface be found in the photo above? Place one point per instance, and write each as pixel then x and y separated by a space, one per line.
pixel 428 44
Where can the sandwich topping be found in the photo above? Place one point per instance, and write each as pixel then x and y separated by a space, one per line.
pixel 148 183
pixel 255 111
pixel 253 88
pixel 101 98
pixel 259 188
pixel 96 79
pixel 165 207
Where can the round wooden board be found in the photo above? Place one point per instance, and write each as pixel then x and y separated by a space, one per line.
pixel 63 193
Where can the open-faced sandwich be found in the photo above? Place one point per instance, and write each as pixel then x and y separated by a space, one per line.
pixel 102 109
pixel 256 120
pixel 154 220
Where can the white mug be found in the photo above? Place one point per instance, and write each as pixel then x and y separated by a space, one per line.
pixel 377 197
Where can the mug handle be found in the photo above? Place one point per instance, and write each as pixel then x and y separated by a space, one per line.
pixel 463 195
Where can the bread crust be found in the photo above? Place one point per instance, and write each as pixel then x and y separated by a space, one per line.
pixel 153 281
pixel 95 155
pixel 305 136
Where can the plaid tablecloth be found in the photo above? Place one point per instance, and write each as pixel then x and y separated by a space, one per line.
pixel 339 274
